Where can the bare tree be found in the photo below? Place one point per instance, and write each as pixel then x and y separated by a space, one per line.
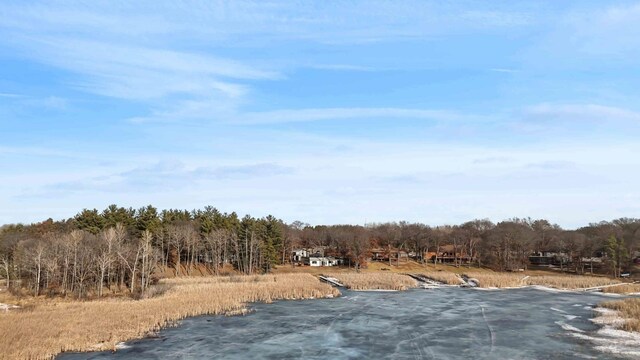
pixel 105 255
pixel 149 259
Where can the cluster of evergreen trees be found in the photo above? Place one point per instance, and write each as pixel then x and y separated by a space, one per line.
pixel 121 249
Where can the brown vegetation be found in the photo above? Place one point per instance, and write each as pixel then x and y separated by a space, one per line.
pixel 442 276
pixel 622 289
pixel 498 280
pixel 571 281
pixel 51 327
pixel 505 280
pixel 375 281
pixel 629 310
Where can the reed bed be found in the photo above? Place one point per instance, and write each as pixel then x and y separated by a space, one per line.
pixel 622 289
pixel 53 327
pixel 375 281
pixel 444 277
pixel 629 310
pixel 498 280
pixel 507 280
pixel 571 281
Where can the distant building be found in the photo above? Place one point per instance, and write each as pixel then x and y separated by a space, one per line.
pixel 389 254
pixel 297 256
pixel 449 254
pixel 313 257
pixel 320 261
pixel 548 258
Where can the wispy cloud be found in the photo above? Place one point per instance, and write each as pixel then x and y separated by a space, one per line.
pixel 11 96
pixel 165 175
pixel 305 115
pixel 503 70
pixel 574 112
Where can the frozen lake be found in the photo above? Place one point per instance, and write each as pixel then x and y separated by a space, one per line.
pixel 447 323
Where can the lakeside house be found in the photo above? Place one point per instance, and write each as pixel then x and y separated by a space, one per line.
pixel 299 255
pixel 320 261
pixel 389 254
pixel 313 257
pixel 449 254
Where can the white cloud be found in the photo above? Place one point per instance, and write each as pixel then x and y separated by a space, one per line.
pixel 584 112
pixel 303 115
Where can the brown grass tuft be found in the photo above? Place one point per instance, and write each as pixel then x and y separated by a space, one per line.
pixel 375 281
pixel 52 327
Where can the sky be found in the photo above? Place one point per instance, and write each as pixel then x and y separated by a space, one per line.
pixel 327 112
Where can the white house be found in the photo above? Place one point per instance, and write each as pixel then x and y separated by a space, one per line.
pixel 321 261
pixel 299 255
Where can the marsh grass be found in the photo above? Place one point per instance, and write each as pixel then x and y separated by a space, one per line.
pixel 498 280
pixel 444 277
pixel 569 282
pixel 622 289
pixel 629 310
pixel 52 327
pixel 375 281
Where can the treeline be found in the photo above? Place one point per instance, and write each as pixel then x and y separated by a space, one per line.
pixel 121 249
pixel 504 246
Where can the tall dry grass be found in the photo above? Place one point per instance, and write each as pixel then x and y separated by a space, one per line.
pixel 622 289
pixel 629 310
pixel 444 277
pixel 53 327
pixel 506 280
pixel 498 280
pixel 375 281
pixel 571 281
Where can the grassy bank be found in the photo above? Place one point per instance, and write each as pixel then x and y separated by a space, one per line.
pixel 629 310
pixel 375 281
pixel 50 327
pixel 443 276
pixel 568 282
pixel 623 289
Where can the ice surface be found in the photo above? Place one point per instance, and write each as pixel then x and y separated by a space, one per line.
pixel 447 323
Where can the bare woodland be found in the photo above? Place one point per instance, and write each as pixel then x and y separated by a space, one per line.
pixel 120 250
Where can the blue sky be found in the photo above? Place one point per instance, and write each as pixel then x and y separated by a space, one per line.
pixel 325 112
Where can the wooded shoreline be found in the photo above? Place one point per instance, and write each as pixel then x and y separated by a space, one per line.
pixel 46 327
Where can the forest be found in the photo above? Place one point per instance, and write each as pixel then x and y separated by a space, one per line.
pixel 122 249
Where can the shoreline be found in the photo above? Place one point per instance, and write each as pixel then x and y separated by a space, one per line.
pixel 608 338
pixel 103 324
pixel 193 297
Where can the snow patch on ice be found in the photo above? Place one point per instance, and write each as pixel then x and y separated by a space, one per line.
pixel 568 327
pixel 609 338
pixel 122 345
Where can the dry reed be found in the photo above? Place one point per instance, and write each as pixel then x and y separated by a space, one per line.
pixel 506 280
pixel 571 281
pixel 629 310
pixel 444 277
pixel 622 289
pixel 375 281
pixel 498 280
pixel 53 327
